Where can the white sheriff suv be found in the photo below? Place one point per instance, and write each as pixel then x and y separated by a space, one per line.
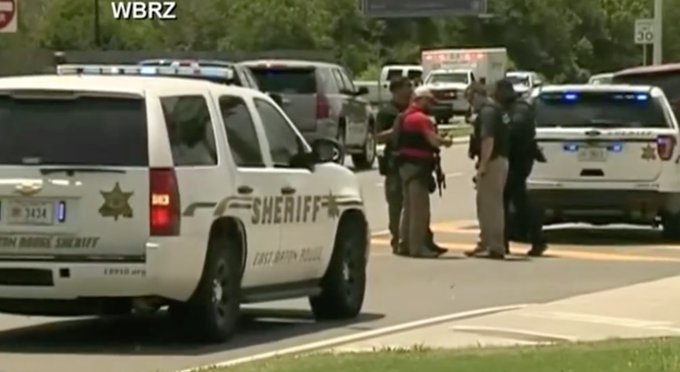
pixel 135 192
pixel 612 156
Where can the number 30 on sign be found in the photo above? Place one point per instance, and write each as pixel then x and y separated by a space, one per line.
pixel 644 31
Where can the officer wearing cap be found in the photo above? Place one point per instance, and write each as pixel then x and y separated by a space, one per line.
pixel 386 118
pixel 527 221
pixel 417 144
pixel 491 150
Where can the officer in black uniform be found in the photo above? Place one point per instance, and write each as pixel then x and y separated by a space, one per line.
pixel 401 90
pixel 527 221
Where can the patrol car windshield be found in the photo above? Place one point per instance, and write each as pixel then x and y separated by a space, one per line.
pixel 286 79
pixel 99 131
pixel 454 77
pixel 607 110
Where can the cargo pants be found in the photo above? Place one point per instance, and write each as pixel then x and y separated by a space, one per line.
pixel 490 206
pixel 395 197
pixel 415 217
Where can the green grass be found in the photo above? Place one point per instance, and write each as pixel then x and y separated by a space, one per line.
pixel 655 355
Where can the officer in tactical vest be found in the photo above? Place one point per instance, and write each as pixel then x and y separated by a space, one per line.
pixel 386 119
pixel 418 143
pixel 527 220
pixel 490 147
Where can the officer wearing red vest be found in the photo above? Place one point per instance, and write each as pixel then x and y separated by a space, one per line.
pixel 417 143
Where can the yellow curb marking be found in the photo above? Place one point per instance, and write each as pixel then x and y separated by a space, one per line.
pixel 456 226
pixel 558 251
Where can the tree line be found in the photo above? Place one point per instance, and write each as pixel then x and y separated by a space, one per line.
pixel 563 39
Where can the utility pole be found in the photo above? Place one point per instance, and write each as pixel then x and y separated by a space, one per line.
pixel 658 32
pixel 97 38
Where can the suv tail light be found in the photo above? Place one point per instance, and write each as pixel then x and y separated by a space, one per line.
pixel 323 107
pixel 665 146
pixel 164 207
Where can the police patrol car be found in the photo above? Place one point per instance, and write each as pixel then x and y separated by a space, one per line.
pixel 133 192
pixel 612 156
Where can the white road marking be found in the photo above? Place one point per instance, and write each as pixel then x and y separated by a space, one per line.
pixel 326 344
pixel 546 336
pixel 448 175
pixel 605 320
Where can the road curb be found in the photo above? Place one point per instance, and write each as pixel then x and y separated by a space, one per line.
pixel 342 340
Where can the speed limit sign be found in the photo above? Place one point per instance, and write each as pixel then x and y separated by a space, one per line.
pixel 644 31
pixel 8 15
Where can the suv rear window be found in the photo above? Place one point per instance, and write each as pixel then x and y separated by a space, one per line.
pixel 610 109
pixel 286 79
pixel 103 131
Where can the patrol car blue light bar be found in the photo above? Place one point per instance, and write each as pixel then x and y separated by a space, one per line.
pixel 135 70
pixel 572 97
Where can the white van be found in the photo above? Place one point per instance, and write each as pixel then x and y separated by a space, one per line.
pixel 390 72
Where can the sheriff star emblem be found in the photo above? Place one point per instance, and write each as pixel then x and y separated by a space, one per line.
pixel 116 203
pixel 649 152
pixel 332 205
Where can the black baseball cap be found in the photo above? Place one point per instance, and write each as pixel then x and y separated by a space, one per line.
pixel 505 85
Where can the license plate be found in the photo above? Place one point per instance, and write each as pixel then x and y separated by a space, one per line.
pixel 21 212
pixel 594 154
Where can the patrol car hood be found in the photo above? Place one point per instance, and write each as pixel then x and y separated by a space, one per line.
pixel 341 179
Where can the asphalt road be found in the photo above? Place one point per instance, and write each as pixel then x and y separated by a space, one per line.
pixel 581 260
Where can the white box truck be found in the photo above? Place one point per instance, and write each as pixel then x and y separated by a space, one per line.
pixel 448 72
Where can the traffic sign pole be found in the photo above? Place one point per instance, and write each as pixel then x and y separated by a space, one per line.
pixel 658 30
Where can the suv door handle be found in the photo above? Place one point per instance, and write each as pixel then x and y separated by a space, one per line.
pixel 245 190
pixel 285 101
pixel 287 190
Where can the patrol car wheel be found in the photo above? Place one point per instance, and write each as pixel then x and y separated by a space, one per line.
pixel 366 158
pixel 671 227
pixel 212 314
pixel 344 285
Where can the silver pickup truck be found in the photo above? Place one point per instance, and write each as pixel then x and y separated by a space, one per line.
pixel 322 101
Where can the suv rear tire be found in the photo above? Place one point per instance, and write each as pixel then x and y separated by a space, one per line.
pixel 671 227
pixel 212 313
pixel 366 158
pixel 344 285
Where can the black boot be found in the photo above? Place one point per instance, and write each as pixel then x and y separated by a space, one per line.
pixel 537 249
pixel 434 247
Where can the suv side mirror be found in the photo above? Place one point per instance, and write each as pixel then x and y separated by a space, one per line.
pixel 538 83
pixel 362 91
pixel 326 150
